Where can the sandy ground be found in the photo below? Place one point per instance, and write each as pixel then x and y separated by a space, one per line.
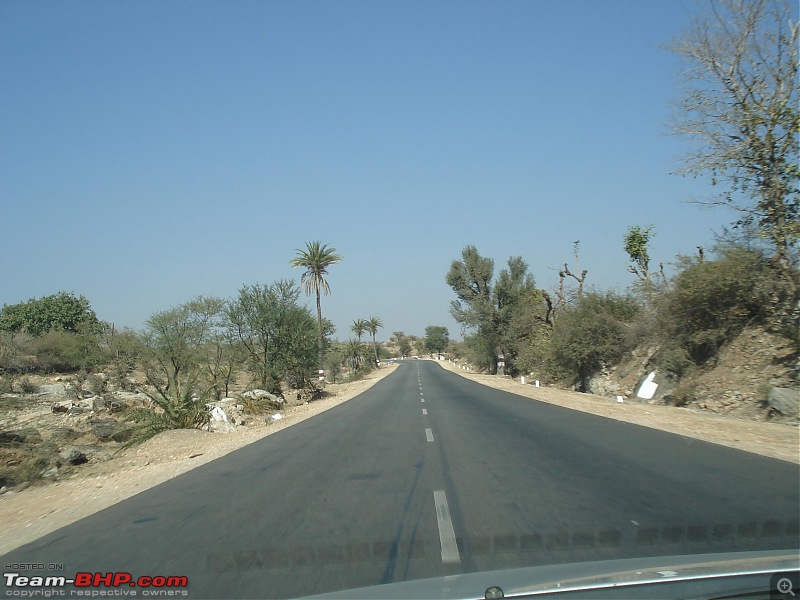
pixel 33 512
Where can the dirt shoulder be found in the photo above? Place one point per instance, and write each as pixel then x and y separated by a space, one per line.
pixel 38 510
pixel 774 440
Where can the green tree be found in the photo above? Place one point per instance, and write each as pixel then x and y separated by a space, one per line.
pixel 359 327
pixel 489 307
pixel 637 247
pixel 275 333
pixel 436 339
pixel 373 324
pixel 403 343
pixel 591 335
pixel 174 363
pixel 63 311
pixel 316 259
pixel 740 109
pixel 354 353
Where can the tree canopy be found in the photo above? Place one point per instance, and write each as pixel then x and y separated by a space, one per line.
pixel 63 311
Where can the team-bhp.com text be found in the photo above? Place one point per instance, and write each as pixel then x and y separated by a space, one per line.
pixel 95 585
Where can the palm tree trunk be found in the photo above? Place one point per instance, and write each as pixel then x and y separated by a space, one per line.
pixel 319 327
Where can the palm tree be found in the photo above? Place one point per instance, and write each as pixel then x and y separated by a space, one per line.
pixel 372 326
pixel 353 353
pixel 359 327
pixel 316 259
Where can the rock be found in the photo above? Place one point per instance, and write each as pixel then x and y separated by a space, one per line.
pixel 219 421
pixel 132 398
pixel 53 388
pixel 63 433
pixel 73 456
pixel 784 401
pixel 109 402
pixel 262 395
pixel 110 430
pixel 28 435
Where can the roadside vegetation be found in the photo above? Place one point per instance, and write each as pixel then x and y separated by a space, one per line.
pixel 739 109
pixel 189 356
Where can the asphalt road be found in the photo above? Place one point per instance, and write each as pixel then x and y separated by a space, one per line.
pixel 428 474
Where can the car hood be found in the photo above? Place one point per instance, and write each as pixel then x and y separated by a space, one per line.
pixel 692 576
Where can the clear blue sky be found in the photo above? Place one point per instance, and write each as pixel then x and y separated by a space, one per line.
pixel 153 151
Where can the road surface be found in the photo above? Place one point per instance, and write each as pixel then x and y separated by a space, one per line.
pixel 428 474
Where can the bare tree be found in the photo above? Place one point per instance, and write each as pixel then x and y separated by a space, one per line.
pixel 564 297
pixel 740 107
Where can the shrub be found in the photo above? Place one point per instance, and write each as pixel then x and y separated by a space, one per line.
pixel 684 394
pixel 27 386
pixel 710 302
pixel 592 334
pixel 65 351
pixel 675 360
pixel 96 384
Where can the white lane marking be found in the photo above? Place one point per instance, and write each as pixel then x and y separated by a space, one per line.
pixel 447 537
pixel 422 399
pixel 424 411
pixel 429 435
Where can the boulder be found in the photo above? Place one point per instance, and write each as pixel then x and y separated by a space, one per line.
pixel 110 430
pixel 72 456
pixel 53 388
pixel 27 435
pixel 219 421
pixel 784 401
pixel 60 433
pixel 263 395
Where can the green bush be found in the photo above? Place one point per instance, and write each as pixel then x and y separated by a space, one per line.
pixel 64 351
pixel 675 360
pixel 58 312
pixel 710 302
pixel 593 334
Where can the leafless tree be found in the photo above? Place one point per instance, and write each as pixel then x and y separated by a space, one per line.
pixel 740 108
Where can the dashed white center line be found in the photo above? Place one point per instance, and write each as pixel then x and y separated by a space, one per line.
pixel 424 411
pixel 447 536
pixel 429 435
pixel 422 399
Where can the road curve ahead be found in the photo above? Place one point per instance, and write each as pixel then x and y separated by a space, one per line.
pixel 428 474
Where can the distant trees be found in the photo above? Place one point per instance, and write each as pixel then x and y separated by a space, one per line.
pixel 316 259
pixel 59 332
pixel 373 324
pixel 403 343
pixel 740 108
pixel 63 311
pixel 436 339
